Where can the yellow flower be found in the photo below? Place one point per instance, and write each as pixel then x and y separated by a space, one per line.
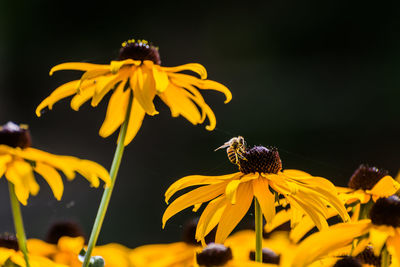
pixel 366 183
pixel 67 249
pixel 138 72
pixel 10 255
pixel 383 229
pixel 18 161
pixel 231 195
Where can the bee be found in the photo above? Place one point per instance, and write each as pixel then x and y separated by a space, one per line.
pixel 236 147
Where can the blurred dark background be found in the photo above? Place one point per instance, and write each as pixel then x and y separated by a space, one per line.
pixel 318 79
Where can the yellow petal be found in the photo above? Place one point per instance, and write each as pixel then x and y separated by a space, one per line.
pixel 61 92
pixel 378 239
pixel 135 121
pixel 233 213
pixel 196 196
pixel 79 99
pixel 92 171
pixel 160 78
pixel 231 190
pixel 21 189
pixel 393 244
pixel 139 87
pixel 280 218
pixel 321 243
pixel 77 66
pixel 71 244
pixel 116 111
pixel 196 180
pixel 265 198
pixel 195 67
pixel 4 160
pixel 210 217
pixel 115 66
pixel 91 74
pixel 52 177
pixel 386 187
pixel 41 248
pixel 108 83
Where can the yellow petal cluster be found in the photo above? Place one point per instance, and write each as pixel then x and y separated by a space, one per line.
pixel 18 165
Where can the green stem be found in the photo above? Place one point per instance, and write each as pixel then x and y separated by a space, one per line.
pixel 385 257
pixel 259 230
pixel 18 224
pixel 365 209
pixel 105 200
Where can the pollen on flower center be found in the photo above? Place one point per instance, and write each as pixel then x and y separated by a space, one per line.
pixel 268 256
pixel 260 159
pixel 366 177
pixel 139 50
pixel 9 241
pixel 386 211
pixel 214 255
pixel 14 135
pixel 367 256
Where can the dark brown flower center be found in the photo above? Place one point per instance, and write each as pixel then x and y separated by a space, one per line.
pixel 366 177
pixel 14 135
pixel 386 211
pixel 139 50
pixel 367 256
pixel 260 159
pixel 9 241
pixel 214 255
pixel 268 256
pixel 189 233
pixel 348 262
pixel 64 228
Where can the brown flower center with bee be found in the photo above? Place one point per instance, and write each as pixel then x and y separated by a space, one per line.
pixel 386 211
pixel 9 241
pixel 367 256
pixel 14 135
pixel 260 159
pixel 214 255
pixel 139 50
pixel 366 177
pixel 268 256
pixel 348 262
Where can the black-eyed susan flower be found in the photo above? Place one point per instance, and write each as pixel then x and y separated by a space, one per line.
pixel 368 183
pixel 260 177
pixel 19 161
pixel 138 71
pixel 382 232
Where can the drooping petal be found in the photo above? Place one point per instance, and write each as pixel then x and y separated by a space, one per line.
pixel 197 180
pixel 321 243
pixel 116 65
pixel 231 191
pixel 116 111
pixel 143 92
pixel 378 237
pixel 265 198
pixel 4 160
pixel 77 66
pixel 280 218
pixel 160 78
pixel 82 97
pixel 196 196
pixel 233 213
pixel 61 92
pixel 195 67
pixel 52 177
pixel 210 217
pixel 92 171
pixel 135 121
pixel 14 175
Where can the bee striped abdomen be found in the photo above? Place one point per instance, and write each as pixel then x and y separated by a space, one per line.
pixel 230 151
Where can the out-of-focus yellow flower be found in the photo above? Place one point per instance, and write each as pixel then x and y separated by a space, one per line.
pixel 18 161
pixel 383 229
pixel 16 257
pixel 138 71
pixel 67 249
pixel 231 195
pixel 366 183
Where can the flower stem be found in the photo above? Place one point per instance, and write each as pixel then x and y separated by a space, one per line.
pixel 259 230
pixel 385 260
pixel 105 200
pixel 365 209
pixel 18 224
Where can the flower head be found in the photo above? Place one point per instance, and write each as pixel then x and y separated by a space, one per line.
pixel 18 161
pixel 138 72
pixel 230 196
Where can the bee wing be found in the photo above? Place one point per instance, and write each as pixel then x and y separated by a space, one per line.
pixel 223 146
